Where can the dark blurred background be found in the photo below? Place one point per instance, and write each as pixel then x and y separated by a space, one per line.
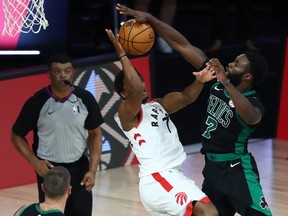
pixel 85 37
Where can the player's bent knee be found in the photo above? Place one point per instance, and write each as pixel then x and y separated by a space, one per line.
pixel 205 209
pixel 211 210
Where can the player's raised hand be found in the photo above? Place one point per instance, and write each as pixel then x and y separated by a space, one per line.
pixel 117 46
pixel 205 75
pixel 218 68
pixel 140 16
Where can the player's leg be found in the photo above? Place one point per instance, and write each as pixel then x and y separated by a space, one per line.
pixel 197 202
pixel 215 186
pixel 259 205
pixel 204 209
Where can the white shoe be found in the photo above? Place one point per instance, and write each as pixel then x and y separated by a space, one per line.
pixel 163 46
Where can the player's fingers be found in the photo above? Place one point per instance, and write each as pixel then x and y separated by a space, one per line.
pixel 108 31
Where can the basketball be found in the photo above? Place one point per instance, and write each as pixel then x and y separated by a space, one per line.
pixel 136 38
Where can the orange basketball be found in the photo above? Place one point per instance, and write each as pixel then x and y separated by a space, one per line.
pixel 136 38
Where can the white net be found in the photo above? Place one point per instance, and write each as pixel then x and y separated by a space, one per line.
pixel 23 16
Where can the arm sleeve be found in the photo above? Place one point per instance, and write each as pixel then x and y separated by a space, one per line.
pixel 26 119
pixel 94 118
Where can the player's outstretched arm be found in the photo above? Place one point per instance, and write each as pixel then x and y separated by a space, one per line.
pixel 133 87
pixel 174 38
pixel 174 101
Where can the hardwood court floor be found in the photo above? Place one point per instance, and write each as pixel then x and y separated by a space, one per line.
pixel 116 190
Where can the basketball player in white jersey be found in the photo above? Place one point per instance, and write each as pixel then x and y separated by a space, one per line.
pixel 164 189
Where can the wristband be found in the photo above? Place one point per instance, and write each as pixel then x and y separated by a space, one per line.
pixel 122 56
pixel 226 82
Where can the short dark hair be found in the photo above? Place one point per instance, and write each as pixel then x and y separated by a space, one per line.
pixel 59 58
pixel 119 81
pixel 258 66
pixel 56 182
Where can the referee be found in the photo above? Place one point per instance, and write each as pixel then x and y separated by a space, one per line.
pixel 65 120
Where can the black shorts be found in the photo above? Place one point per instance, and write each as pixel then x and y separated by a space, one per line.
pixel 233 184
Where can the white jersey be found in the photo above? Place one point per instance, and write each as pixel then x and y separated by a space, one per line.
pixel 164 189
pixel 155 140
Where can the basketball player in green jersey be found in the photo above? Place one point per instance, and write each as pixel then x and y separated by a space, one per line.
pixel 231 177
pixel 57 189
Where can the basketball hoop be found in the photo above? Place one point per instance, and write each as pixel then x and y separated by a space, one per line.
pixel 23 16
